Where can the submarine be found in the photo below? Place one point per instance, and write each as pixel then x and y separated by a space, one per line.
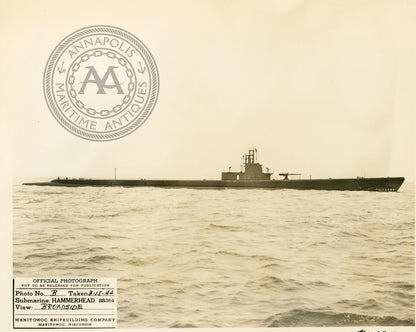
pixel 251 176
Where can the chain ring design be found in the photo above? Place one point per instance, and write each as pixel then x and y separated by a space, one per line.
pixel 84 58
pixel 117 120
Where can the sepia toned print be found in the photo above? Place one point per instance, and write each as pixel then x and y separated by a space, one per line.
pixel 271 187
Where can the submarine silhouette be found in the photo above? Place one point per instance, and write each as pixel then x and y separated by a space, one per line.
pixel 251 176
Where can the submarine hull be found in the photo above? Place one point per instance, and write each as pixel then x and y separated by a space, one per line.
pixel 352 184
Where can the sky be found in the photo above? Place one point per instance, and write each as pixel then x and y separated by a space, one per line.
pixel 322 88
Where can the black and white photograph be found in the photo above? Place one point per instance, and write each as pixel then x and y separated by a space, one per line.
pixel 208 164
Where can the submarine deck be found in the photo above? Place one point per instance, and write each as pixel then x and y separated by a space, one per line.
pixel 354 184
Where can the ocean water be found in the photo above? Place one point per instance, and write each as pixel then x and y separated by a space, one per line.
pixel 227 258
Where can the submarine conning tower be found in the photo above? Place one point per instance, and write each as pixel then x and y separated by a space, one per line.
pixel 252 169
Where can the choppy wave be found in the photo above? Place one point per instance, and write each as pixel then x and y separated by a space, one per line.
pixel 180 325
pixel 305 318
pixel 224 227
pixel 54 255
pixel 101 259
pixel 227 258
pixel 243 255
pixel 108 236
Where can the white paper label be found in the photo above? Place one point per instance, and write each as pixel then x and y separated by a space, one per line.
pixel 78 303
